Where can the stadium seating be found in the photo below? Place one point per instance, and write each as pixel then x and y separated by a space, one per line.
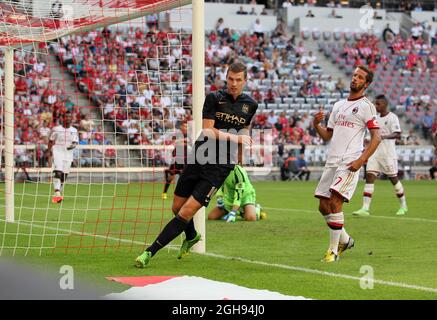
pixel 402 85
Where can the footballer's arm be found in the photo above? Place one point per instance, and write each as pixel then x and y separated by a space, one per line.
pixel 211 132
pixel 324 133
pixel 375 139
pixel 50 152
pixel 394 135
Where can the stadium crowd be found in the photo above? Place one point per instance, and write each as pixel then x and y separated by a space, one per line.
pixel 119 71
pixel 139 82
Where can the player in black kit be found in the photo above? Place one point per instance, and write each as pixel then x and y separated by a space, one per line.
pixel 179 159
pixel 225 126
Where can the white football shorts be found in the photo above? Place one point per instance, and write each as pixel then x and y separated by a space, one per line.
pixel 337 179
pixel 388 166
pixel 62 160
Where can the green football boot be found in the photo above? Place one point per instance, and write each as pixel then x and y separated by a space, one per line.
pixel 142 260
pixel 187 245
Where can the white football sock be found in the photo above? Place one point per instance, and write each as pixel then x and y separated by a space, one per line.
pixel 399 189
pixel 335 223
pixel 57 184
pixel 344 237
pixel 367 195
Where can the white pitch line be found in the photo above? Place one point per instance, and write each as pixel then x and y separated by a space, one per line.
pixel 324 273
pixel 371 216
pixel 262 263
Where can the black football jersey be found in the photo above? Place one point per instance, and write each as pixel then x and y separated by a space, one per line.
pixel 230 116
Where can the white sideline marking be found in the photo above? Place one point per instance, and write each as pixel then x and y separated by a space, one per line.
pixel 261 263
pixel 398 218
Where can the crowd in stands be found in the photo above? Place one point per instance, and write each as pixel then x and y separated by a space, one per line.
pixel 139 81
pixel 39 101
pixel 282 74
pixel 119 72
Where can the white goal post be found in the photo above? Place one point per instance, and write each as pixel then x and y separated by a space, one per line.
pixel 16 32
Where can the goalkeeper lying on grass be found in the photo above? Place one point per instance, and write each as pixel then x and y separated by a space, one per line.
pixel 237 197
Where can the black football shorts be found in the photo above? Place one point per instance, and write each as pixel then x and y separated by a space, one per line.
pixel 201 181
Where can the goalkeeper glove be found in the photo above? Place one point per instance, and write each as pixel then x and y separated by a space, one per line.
pixel 231 216
pixel 220 203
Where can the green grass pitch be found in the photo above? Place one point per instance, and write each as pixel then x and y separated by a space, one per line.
pixel 100 228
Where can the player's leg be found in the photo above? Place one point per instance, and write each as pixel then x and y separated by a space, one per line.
pixel 193 180
pixel 173 229
pixel 324 194
pixel 169 176
pixel 184 188
pixel 335 222
pixel 391 170
pixel 248 204
pixel 342 189
pixel 369 188
pixel 216 213
pixel 58 168
pixel 66 166
pixel 250 212
pixel 373 169
pixel 63 180
pixel 58 177
pixel 24 167
pixel 399 190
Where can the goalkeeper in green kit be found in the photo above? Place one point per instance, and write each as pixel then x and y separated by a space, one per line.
pixel 237 197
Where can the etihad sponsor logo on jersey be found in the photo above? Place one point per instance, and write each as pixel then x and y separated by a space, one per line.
pixel 232 118
pixel 341 121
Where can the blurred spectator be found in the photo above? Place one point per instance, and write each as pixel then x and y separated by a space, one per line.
pixel 258 29
pixel 87 123
pixel 412 139
pixel 309 14
pixel 152 21
pixel 303 168
pixel 310 59
pixel 426 123
pixel 270 96
pixel 253 12
pixel 376 16
pixel 330 84
pixel 331 4
pixel 272 119
pixel 334 14
pixel 242 11
pixel 219 26
pixel 283 91
pixel 288 3
pixel 340 86
pixel 388 35
pixel 417 31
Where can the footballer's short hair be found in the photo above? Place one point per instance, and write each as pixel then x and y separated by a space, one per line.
pixel 369 75
pixel 238 67
pixel 382 97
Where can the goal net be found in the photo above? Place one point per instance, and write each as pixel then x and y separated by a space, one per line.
pixel 124 72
